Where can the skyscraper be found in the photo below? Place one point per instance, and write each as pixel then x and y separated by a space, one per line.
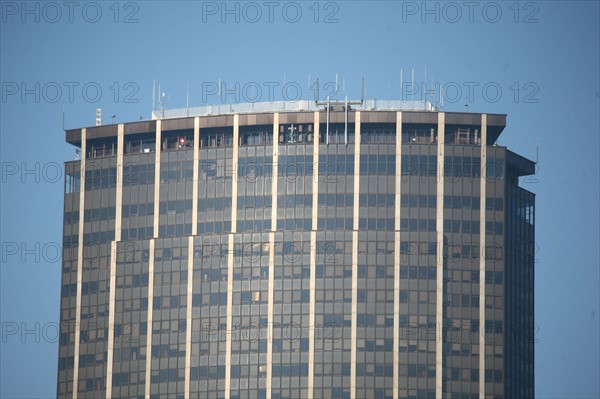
pixel 280 250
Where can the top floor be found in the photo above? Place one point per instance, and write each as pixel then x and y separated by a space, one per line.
pixel 298 123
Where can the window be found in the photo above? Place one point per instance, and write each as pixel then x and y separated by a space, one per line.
pixel 140 143
pixel 177 140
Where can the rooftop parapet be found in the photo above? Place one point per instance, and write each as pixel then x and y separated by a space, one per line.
pixel 289 106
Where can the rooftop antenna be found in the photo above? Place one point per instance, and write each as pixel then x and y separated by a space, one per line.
pixel 187 98
pixel 339 106
pixel 317 91
pixel 433 98
pixel 336 84
pixel 401 83
pixel 219 91
pixel 362 95
pixel 153 94
pixel 412 85
pixel 220 99
pixel 425 85
pixel 253 92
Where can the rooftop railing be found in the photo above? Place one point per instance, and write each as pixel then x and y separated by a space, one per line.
pixel 285 106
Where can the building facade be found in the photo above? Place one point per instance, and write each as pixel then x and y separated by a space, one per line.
pixel 378 252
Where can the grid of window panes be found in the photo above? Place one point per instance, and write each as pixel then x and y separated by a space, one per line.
pixel 419 133
pixel 375 315
pixel 93 342
pixel 216 137
pixel 495 259
pixel 378 133
pixel 100 200
pixel 294 188
pixel 215 179
pixel 176 192
pixel 291 297
pixel 101 147
pixel 144 143
pixel 137 217
pixel 418 271
pixel 336 187
pixel 249 330
pixel 519 280
pixel 339 133
pixel 131 315
pixel 463 135
pixel 169 317
pixel 256 135
pixel 174 140
pixel 68 294
pixel 255 182
pixel 209 316
pixel 461 324
pixel 98 232
pixel 377 187
pixel 333 314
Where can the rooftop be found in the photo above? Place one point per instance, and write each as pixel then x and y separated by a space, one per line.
pixel 335 111
pixel 290 106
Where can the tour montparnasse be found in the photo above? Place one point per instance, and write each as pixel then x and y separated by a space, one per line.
pixel 332 249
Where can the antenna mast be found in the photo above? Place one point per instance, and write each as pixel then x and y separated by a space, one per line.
pixel 425 85
pixel 153 93
pixel 339 106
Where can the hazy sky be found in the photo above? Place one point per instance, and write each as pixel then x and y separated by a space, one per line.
pixel 538 62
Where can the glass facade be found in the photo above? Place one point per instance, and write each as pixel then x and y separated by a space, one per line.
pixel 275 255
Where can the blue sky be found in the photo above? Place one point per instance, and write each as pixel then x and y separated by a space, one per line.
pixel 538 62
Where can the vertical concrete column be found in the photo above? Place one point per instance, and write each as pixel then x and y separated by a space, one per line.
pixel 313 258
pixel 82 182
pixel 234 187
pixel 231 255
pixel 439 314
pixel 119 190
pixel 188 325
pixel 230 259
pixel 355 255
pixel 190 287
pixel 195 176
pixel 149 319
pixel 482 242
pixel 158 148
pixel 272 252
pixel 113 261
pixel 397 217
